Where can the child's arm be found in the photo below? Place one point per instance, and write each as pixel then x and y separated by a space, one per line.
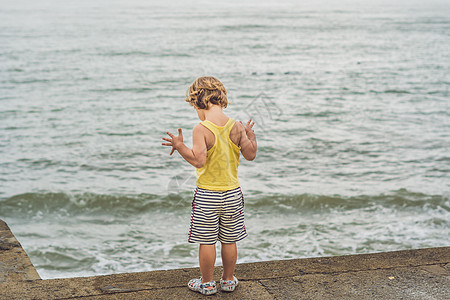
pixel 195 156
pixel 248 140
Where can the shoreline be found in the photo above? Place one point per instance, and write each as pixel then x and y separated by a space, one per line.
pixel 405 274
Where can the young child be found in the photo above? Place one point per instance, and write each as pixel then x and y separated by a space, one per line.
pixel 218 204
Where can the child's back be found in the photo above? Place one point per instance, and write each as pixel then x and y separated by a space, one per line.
pixel 220 172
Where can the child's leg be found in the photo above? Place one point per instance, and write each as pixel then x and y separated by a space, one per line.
pixel 229 257
pixel 207 258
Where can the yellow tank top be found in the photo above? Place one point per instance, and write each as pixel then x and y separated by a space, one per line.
pixel 220 172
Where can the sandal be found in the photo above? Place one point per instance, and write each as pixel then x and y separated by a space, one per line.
pixel 228 285
pixel 207 288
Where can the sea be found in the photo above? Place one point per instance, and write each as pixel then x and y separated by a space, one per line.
pixel 350 101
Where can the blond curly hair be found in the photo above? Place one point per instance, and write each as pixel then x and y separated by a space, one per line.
pixel 204 90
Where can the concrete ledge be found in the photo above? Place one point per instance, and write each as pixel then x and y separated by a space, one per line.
pixel 15 264
pixel 408 274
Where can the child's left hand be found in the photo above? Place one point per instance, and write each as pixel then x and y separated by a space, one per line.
pixel 174 141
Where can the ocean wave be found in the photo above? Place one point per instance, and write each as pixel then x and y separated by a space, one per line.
pixel 85 203
pixel 124 205
pixel 400 199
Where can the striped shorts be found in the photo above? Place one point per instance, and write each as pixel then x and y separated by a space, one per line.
pixel 217 215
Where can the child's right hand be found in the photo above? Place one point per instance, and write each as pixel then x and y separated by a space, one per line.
pixel 249 129
pixel 248 141
pixel 174 141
